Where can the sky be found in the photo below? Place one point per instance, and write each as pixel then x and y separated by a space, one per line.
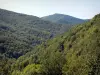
pixel 84 9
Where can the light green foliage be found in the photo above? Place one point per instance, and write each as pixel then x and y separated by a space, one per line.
pixel 52 63
pixel 32 69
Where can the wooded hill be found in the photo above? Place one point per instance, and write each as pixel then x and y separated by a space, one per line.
pixel 76 52
pixel 19 33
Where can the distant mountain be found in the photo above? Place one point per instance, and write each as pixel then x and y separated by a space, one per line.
pixel 63 19
pixel 76 52
pixel 19 33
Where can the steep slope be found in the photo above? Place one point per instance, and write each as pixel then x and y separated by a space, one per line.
pixel 20 32
pixel 76 52
pixel 63 19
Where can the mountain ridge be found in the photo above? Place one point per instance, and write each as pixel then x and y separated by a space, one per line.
pixel 63 19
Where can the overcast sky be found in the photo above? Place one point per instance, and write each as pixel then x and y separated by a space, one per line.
pixel 84 9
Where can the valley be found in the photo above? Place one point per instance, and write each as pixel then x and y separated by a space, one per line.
pixel 54 45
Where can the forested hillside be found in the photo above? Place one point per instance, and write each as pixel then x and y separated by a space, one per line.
pixel 76 52
pixel 19 33
pixel 64 19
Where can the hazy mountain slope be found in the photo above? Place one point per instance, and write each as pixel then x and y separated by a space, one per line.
pixel 76 52
pixel 20 32
pixel 63 19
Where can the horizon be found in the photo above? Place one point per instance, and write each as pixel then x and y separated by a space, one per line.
pixel 43 16
pixel 80 9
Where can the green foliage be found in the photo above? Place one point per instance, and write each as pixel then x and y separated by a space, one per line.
pixel 19 33
pixel 74 53
pixel 52 63
pixel 32 69
pixel 5 66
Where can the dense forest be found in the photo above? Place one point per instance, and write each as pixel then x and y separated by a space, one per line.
pixel 76 52
pixel 31 46
pixel 19 33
